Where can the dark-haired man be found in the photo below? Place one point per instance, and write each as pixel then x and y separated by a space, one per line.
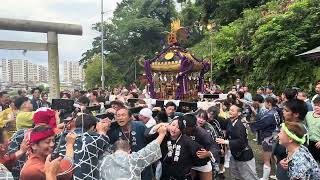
pixel 257 106
pixel 93 98
pixel 269 92
pixel 4 101
pixel 317 90
pixel 36 102
pixel 90 145
pixel 242 162
pixel 304 97
pixel 220 125
pixel 131 131
pixel 289 94
pixel 294 111
pixel 216 120
pixel 125 165
pixel 25 114
pixel 83 102
pixel 24 121
pixel 257 109
pixel 247 94
pixel 170 109
pixel 115 106
pixel 76 95
pixel 261 91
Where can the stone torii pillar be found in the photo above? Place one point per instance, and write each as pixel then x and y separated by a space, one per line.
pixel 52 30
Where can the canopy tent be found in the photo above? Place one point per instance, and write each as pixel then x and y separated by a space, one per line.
pixel 313 54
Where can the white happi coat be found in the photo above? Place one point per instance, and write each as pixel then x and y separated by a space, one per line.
pixel 121 165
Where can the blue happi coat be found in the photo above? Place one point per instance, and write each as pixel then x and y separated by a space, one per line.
pixel 137 140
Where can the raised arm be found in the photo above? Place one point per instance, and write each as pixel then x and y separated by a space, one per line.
pixel 151 152
pixel 67 162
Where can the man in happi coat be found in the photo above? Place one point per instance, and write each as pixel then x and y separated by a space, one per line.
pixel 122 165
pixel 90 145
pixel 131 131
pixel 242 162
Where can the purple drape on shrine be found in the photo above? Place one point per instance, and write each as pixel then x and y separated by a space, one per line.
pixel 205 69
pixel 147 68
pixel 185 68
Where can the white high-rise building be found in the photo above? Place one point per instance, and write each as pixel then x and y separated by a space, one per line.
pixel 72 71
pixel 22 71
pixel 33 72
pixel 19 70
pixel 43 74
pixel 5 70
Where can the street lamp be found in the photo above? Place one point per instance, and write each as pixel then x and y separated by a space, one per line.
pixel 211 27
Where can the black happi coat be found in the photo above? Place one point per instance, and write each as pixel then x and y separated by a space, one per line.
pixel 238 141
pixel 178 157
pixel 202 137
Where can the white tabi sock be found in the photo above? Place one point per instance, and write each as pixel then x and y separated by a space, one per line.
pixel 266 172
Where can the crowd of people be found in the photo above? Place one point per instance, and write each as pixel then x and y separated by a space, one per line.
pixel 119 134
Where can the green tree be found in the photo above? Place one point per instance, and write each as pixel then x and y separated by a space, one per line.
pixel 197 15
pixel 136 29
pixel 225 11
pixel 93 73
pixel 260 47
pixel 44 89
pixel 283 35
pixel 191 18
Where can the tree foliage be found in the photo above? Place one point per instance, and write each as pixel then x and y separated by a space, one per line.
pixel 191 18
pixel 225 11
pixel 136 29
pixel 261 46
pixel 93 73
pixel 255 40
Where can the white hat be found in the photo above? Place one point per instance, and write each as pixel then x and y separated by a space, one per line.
pixel 146 112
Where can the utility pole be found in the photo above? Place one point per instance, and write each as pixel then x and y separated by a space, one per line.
pixel 211 62
pixel 102 56
pixel 135 69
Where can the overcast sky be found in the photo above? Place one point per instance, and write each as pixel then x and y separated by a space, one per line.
pixel 83 12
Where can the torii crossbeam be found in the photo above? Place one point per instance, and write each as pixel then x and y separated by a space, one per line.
pixel 52 30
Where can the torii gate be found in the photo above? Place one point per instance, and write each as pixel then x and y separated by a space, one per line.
pixel 52 30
